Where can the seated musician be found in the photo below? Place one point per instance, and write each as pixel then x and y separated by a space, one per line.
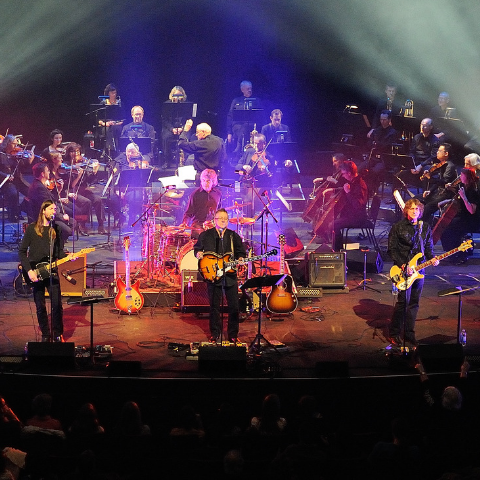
pixel 12 162
pixel 113 121
pixel 132 158
pixel 203 203
pixel 467 218
pixel 85 183
pixel 56 137
pixel 382 138
pixel 442 173
pixel 472 160
pixel 39 193
pixel 138 128
pixel 270 130
pixel 351 206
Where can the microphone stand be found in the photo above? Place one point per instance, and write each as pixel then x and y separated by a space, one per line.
pixel 50 259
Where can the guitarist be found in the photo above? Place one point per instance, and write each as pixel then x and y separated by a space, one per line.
pixel 35 248
pixel 408 237
pixel 222 240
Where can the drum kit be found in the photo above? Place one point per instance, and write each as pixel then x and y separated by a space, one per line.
pixel 169 249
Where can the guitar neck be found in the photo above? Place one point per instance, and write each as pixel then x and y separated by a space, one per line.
pixel 127 269
pixel 439 257
pixel 251 259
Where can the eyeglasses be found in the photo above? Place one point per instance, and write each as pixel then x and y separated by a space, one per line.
pixel 221 218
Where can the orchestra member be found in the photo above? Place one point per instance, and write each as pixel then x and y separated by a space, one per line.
pixel 388 102
pixel 12 161
pixel 56 137
pixel 38 193
pixel 203 203
pixel 41 239
pixel 408 237
pixel 336 178
pixel 84 184
pixel 270 130
pixel 467 218
pixel 221 241
pixel 113 119
pixel 238 133
pixel 138 128
pixel 256 161
pixel 208 149
pixel 172 126
pixel 472 160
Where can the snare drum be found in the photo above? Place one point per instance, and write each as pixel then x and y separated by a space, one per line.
pixel 186 259
pixel 171 245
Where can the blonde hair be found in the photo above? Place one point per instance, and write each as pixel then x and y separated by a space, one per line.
pixel 137 106
pixel 181 90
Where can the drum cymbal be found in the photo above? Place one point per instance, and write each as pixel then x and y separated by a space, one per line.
pixel 175 229
pixel 238 205
pixel 174 193
pixel 242 221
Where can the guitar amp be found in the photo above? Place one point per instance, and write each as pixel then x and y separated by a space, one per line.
pixel 77 273
pixel 194 294
pixel 327 270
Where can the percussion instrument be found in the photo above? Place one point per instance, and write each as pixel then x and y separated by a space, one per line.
pixel 242 221
pixel 174 193
pixel 170 245
pixel 238 205
pixel 186 259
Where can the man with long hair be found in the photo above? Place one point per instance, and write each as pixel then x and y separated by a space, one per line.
pixel 408 237
pixel 43 242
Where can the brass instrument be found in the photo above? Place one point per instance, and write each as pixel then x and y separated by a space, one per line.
pixel 408 109
pixel 251 143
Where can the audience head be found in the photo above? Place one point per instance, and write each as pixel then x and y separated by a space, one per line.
pixel 452 399
pixel 42 404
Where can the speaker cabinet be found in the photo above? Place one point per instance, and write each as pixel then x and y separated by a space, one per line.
pixel 51 356
pixel 356 258
pixel 327 269
pixel 222 359
pixel 194 295
pixel 441 358
pixel 124 368
pixel 76 269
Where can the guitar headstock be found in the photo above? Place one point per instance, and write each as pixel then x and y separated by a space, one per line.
pixel 282 240
pixel 271 252
pixel 126 242
pixel 84 251
pixel 466 245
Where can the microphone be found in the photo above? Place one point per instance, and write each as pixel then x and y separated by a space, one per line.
pixel 265 192
pixel 52 218
pixel 212 113
pixel 66 275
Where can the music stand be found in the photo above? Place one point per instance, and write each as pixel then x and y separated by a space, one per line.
pixel 258 283
pixel 89 301
pixel 250 116
pixel 177 112
pixel 138 177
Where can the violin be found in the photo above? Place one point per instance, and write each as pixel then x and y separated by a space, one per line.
pixel 427 174
pixel 54 184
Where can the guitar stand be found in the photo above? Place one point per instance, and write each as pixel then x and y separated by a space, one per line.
pixel 258 283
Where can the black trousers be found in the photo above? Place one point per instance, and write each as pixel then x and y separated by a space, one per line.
pixel 57 307
pixel 215 298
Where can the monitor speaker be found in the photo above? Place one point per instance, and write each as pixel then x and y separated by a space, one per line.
pixel 356 258
pixel 327 270
pixel 441 358
pixel 51 356
pixel 222 359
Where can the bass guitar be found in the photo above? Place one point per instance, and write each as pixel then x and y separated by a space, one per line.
pixel 44 269
pixel 398 278
pixel 281 298
pixel 212 266
pixel 128 299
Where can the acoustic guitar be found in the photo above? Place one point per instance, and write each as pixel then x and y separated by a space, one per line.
pixel 212 266
pixel 398 278
pixel 128 299
pixel 281 298
pixel 44 269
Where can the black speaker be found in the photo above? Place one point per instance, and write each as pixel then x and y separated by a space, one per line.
pixel 222 359
pixel 356 258
pixel 51 356
pixel 327 269
pixel 331 369
pixel 441 358
pixel 124 368
pixel 298 270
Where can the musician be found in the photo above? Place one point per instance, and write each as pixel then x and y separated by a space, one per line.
pixel 56 137
pixel 388 102
pixel 113 118
pixel 423 149
pixel 38 193
pixel 12 161
pixel 239 132
pixel 408 237
pixel 467 218
pixel 208 150
pixel 472 160
pixel 270 130
pixel 138 128
pixel 83 184
pixel 222 241
pixel 256 161
pixel 437 177
pixel 336 179
pixel 42 238
pixel 203 203
pixel 354 199
pixel 172 126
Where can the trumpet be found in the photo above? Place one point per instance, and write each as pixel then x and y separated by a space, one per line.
pixel 251 143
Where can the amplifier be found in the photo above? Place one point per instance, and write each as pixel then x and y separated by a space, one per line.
pixel 327 269
pixel 305 292
pixel 356 260
pixel 76 270
pixel 194 295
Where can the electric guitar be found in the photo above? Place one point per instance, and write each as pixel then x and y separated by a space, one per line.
pixel 212 266
pixel 281 298
pixel 128 299
pixel 44 269
pixel 396 273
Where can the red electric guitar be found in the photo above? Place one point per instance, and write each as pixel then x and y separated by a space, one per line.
pixel 281 298
pixel 128 299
